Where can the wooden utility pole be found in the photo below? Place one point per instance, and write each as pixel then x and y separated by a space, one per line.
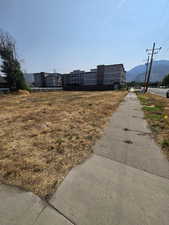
pixel 153 52
pixel 145 79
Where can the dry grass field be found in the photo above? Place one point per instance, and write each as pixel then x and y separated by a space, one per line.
pixel 156 111
pixel 44 135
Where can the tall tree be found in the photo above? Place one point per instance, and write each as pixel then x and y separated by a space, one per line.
pixel 10 64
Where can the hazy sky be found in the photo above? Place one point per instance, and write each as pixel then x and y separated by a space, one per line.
pixel 80 34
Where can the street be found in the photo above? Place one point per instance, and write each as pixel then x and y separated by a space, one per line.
pixel 159 91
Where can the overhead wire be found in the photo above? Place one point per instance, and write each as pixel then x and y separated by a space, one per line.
pixel 164 13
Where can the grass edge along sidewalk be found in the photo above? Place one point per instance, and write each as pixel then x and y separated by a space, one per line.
pixel 156 110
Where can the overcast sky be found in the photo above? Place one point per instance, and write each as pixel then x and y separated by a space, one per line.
pixel 80 34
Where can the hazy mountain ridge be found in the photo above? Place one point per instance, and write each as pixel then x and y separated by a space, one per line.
pixel 159 71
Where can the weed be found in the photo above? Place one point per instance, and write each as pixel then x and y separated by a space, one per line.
pixel 154 116
pixel 157 113
pixel 165 143
pixel 152 108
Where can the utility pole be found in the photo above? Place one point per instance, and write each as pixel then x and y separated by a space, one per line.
pixel 151 52
pixel 145 79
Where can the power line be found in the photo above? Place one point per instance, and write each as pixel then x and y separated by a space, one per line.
pixel 163 21
pixel 165 51
pixel 163 14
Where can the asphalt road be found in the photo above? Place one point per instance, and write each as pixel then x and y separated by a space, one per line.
pixel 159 91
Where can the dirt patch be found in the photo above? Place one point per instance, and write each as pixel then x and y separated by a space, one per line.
pixel 156 111
pixel 44 135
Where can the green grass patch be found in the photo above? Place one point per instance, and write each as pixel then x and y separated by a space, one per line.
pixel 143 99
pixel 154 116
pixel 155 109
pixel 148 101
pixel 152 108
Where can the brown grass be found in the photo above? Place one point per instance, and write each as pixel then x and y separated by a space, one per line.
pixel 156 110
pixel 44 135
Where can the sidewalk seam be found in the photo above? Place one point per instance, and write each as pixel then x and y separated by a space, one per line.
pixel 58 211
pixel 39 215
pixel 131 166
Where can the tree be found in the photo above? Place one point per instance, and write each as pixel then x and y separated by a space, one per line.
pixel 165 81
pixel 10 64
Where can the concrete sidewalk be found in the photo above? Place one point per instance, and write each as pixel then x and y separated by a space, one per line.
pixel 126 182
pixel 128 140
pixel 18 207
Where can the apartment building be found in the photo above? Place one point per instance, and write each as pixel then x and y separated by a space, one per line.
pixel 53 80
pixel 47 79
pixel 111 75
pixel 105 77
pixel 40 79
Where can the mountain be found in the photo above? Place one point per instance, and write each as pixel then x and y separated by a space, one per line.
pixel 159 71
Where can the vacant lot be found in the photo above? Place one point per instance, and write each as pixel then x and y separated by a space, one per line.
pixel 43 135
pixel 156 110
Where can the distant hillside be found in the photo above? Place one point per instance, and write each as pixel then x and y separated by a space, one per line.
pixel 159 70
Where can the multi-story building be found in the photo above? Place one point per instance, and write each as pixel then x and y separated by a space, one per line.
pixel 102 78
pixel 53 80
pixel 40 79
pixel 111 75
pixel 77 71
pixel 73 79
pixel 47 79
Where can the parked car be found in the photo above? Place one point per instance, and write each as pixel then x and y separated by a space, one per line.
pixel 167 94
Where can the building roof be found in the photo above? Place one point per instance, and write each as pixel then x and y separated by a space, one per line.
pixel 113 65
